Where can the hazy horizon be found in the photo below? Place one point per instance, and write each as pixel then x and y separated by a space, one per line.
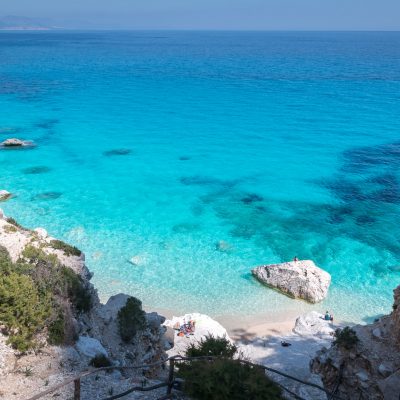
pixel 252 15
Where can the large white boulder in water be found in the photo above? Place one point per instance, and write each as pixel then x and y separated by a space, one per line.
pixel 313 324
pixel 298 279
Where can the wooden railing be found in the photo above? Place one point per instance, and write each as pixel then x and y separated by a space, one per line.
pixel 170 382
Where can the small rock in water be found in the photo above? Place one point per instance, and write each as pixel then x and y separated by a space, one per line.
pixel 4 195
pixel 223 246
pixel 117 152
pixel 14 142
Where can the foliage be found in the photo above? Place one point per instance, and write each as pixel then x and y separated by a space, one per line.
pixel 76 290
pixel 57 331
pixel 66 248
pixel 346 338
pixel 39 295
pixel 212 346
pixel 23 309
pixel 100 361
pixel 12 221
pixel 131 319
pixel 227 379
pixel 10 229
pixel 224 378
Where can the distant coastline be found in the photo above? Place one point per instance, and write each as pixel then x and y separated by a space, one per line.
pixel 16 23
pixel 24 28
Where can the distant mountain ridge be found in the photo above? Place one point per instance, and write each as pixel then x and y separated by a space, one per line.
pixel 24 23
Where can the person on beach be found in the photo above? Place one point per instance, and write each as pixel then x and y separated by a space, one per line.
pixel 295 259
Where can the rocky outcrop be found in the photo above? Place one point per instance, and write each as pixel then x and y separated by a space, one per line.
pixel 313 324
pixel 14 142
pixel 298 279
pixel 371 368
pixel 96 329
pixel 4 195
pixel 204 326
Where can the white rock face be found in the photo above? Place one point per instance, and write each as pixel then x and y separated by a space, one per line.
pixel 4 195
pixel 204 325
pixel 90 347
pixel 313 324
pixel 42 233
pixel 298 279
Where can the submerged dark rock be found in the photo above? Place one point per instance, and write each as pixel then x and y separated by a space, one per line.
pixel 117 152
pixel 47 123
pixel 251 198
pixel 47 196
pixel 36 170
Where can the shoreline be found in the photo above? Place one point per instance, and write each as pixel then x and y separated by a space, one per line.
pixel 248 328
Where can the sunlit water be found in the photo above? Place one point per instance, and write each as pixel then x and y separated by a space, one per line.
pixel 158 145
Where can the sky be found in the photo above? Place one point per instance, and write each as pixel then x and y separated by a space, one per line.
pixel 212 14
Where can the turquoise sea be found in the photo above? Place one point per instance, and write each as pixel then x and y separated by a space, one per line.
pixel 158 145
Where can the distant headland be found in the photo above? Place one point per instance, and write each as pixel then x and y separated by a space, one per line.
pixel 14 23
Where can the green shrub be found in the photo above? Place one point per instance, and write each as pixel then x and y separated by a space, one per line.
pixel 37 292
pixel 212 346
pixel 76 290
pixel 346 338
pixel 56 331
pixel 66 248
pixel 35 255
pixel 131 319
pixel 23 309
pixel 100 361
pixel 12 221
pixel 227 379
pixel 10 229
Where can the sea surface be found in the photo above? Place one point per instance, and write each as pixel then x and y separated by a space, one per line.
pixel 199 155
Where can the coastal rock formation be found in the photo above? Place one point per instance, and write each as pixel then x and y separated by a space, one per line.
pixel 14 142
pixel 4 195
pixel 313 324
pixel 298 279
pixel 369 369
pixel 83 334
pixel 204 326
pixel 90 347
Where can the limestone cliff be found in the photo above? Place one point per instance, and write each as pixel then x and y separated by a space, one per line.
pixel 85 330
pixel 371 368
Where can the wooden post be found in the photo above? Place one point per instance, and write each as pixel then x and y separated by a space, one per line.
pixel 77 389
pixel 171 376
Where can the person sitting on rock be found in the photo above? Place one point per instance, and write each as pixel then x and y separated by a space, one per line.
pixel 328 317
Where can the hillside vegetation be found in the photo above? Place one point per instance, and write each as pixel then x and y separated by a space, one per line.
pixel 38 299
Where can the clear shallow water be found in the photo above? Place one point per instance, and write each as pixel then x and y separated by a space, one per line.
pixel 280 144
